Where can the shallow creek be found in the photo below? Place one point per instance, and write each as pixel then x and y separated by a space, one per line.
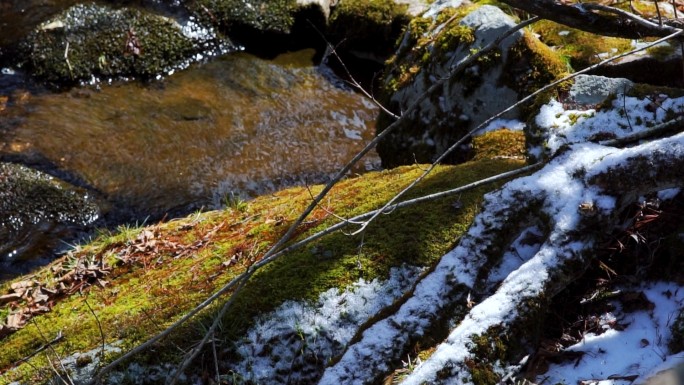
pixel 236 125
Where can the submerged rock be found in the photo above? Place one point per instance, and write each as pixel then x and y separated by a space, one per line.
pixel 34 206
pixel 428 51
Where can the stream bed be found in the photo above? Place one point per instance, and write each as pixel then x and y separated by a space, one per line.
pixel 235 126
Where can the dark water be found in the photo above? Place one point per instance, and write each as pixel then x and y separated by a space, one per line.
pixel 236 125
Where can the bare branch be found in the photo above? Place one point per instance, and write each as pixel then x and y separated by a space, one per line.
pixel 579 16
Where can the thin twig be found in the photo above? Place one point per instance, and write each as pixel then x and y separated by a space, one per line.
pixel 55 340
pixel 212 329
pixel 624 107
pixel 630 16
pixel 99 326
pixel 665 127
pixel 52 349
pixel 216 365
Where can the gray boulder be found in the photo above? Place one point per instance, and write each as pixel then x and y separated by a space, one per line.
pixel 429 49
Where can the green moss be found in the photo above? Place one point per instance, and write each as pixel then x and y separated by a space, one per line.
pixel 532 65
pixel 423 48
pixel 260 15
pixel 487 348
pixel 157 286
pixel 581 49
pixel 661 51
pixel 99 41
pixel 367 25
pixel 500 143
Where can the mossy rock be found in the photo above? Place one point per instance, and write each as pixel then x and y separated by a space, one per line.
pixel 265 27
pixel 579 48
pixel 367 26
pixel 259 15
pixel 34 205
pixel 159 272
pixel 427 52
pixel 87 41
pixel 500 143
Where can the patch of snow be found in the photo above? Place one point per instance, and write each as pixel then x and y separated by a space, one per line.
pixel 352 134
pixel 628 115
pixel 297 332
pixel 638 350
pixel 498 124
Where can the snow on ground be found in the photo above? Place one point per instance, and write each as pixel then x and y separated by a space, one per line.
pixel 499 124
pixel 618 357
pixel 278 347
pixel 566 199
pixel 628 116
pixel 299 334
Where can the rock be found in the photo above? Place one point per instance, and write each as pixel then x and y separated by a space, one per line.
pixel 591 90
pixel 429 49
pixel 324 5
pixel 89 40
pixel 368 29
pixel 266 27
pixel 32 203
pixel 664 63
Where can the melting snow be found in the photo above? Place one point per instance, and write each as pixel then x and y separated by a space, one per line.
pixel 295 330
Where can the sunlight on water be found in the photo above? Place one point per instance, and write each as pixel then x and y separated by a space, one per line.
pixel 237 124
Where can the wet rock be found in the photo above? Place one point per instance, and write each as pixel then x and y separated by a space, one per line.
pixel 87 41
pixel 266 27
pixel 430 47
pixel 664 63
pixel 33 207
pixel 368 28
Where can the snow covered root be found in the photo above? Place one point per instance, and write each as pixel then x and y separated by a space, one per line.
pixel 572 202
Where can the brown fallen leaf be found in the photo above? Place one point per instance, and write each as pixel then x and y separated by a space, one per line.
pixel 16 286
pixel 16 320
pixel 9 297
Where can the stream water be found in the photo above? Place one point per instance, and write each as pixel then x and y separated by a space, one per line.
pixel 236 125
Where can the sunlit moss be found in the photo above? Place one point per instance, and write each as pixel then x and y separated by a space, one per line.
pixel 581 48
pixel 147 295
pixel 532 65
pixel 499 143
pixel 370 26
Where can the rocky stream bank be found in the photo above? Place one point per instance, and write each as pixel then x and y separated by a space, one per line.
pixel 526 279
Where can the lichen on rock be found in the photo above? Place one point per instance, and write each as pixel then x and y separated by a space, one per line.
pixel 428 50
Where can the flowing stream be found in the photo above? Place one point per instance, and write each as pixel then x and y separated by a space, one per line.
pixel 236 125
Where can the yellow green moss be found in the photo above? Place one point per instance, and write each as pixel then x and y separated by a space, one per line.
pixel 499 143
pixel 368 25
pixel 532 65
pixel 148 293
pixel 581 49
pixel 424 46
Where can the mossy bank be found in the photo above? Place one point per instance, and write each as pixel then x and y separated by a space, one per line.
pixel 127 285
